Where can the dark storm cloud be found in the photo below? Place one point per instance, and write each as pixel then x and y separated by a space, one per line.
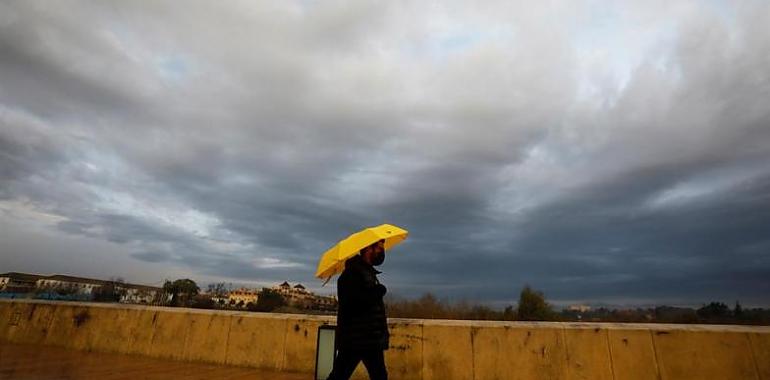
pixel 238 143
pixel 24 149
pixel 151 257
pixel 115 228
pixel 600 242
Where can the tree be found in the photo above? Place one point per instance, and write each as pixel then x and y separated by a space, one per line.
pixel 218 289
pixel 106 293
pixel 481 312
pixel 671 314
pixel 532 306
pixel 202 301
pixel 738 311
pixel 269 300
pixel 509 314
pixel 182 291
pixel 110 291
pixel 714 310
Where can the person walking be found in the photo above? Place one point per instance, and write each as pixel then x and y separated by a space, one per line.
pixel 362 329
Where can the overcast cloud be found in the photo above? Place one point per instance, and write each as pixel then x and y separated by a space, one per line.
pixel 611 152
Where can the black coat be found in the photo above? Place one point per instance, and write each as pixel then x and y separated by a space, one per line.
pixel 361 320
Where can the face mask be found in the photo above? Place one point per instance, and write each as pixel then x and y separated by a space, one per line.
pixel 378 259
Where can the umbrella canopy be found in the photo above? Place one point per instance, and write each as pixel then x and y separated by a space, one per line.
pixel 333 260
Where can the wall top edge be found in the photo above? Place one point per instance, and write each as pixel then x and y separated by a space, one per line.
pixel 420 322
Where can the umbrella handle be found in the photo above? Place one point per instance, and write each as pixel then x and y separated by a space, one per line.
pixel 327 281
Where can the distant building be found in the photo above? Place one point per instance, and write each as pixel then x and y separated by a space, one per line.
pixel 579 308
pixel 283 289
pixel 243 295
pixel 299 296
pixel 142 294
pixel 75 285
pixel 14 282
pixel 58 286
pixel 296 295
pixel 220 298
pixel 325 303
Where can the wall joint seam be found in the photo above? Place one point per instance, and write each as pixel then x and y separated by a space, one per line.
pixel 655 354
pixel 609 352
pixel 753 357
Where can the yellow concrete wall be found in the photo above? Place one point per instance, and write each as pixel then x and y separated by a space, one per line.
pixel 420 349
pixel 245 331
pixel 527 351
pixel 760 346
pixel 704 354
pixel 633 355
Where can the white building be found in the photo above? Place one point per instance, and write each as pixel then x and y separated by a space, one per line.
pixel 76 285
pixel 130 293
pixel 579 308
pixel 80 287
pixel 14 282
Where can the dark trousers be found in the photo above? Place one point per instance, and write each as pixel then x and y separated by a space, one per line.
pixel 347 360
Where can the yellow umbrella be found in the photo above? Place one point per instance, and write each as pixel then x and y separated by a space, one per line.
pixel 333 260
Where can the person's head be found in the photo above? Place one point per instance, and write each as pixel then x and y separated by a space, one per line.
pixel 375 253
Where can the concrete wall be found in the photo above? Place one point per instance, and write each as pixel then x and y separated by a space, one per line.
pixel 420 349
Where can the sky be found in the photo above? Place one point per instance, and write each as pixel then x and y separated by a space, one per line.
pixel 610 152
